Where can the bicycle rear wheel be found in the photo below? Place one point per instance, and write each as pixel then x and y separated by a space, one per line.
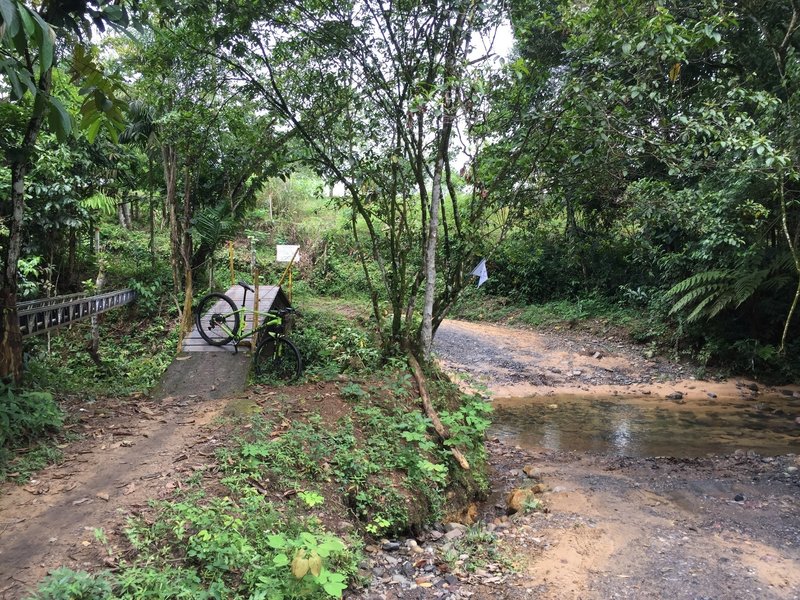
pixel 214 311
pixel 277 359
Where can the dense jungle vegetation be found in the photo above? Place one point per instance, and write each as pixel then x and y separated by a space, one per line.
pixel 624 157
pixel 635 161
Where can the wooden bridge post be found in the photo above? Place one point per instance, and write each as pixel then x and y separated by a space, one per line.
pixel 256 318
pixel 230 261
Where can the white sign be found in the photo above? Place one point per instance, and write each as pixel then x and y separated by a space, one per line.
pixel 285 253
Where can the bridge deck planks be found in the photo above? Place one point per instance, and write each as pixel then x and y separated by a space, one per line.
pixel 268 296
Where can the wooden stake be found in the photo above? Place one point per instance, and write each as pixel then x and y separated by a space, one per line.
pixel 288 272
pixel 431 412
pixel 256 319
pixel 230 260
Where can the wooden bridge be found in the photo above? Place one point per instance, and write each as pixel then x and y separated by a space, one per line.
pixel 269 296
pixel 208 371
pixel 47 314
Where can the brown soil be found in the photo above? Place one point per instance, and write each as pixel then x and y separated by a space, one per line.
pixel 513 362
pixel 130 452
pixel 713 527
pixel 616 528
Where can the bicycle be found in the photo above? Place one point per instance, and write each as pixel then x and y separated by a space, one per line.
pixel 220 322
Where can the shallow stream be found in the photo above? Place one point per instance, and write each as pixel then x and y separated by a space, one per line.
pixel 643 426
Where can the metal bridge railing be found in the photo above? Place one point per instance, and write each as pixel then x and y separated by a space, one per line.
pixel 40 316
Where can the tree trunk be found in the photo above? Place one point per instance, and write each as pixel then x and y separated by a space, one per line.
pixel 427 406
pixel 126 213
pixel 151 212
pixel 72 253
pixel 170 179
pixel 443 146
pixel 186 255
pixel 94 343
pixel 12 214
pixel 426 330
pixel 121 215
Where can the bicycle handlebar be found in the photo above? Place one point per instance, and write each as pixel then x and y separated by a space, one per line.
pixel 280 311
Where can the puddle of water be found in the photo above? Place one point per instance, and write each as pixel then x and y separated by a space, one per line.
pixel 643 427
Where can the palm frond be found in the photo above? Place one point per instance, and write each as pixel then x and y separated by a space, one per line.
pixel 211 227
pixel 101 203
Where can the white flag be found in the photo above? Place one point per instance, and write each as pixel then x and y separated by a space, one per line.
pixel 480 272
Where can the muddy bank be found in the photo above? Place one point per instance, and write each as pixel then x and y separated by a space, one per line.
pixel 722 526
pixel 716 527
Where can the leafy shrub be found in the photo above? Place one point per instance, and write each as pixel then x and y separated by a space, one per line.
pixel 25 416
pixel 331 344
pixel 234 548
pixel 338 271
pixel 66 584
pixel 538 267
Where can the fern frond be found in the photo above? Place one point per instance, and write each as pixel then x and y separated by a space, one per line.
pixel 746 285
pixel 696 294
pixel 698 310
pixel 722 302
pixel 704 278
pixel 210 227
pixel 777 282
pixel 101 203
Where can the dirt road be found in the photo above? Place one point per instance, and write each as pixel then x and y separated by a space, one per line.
pixel 718 527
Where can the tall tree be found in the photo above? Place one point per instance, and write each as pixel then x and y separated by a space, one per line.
pixel 668 137
pixel 31 42
pixel 376 91
pixel 217 146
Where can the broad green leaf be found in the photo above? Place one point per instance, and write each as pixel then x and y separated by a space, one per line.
pixel 17 91
pixel 308 538
pixel 280 560
pixel 276 541
pixel 330 545
pixel 59 119
pixel 45 38
pixel 28 27
pixel 335 585
pixel 8 11
pixel 93 130
pixel 113 12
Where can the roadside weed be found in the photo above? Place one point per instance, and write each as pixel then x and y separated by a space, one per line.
pixel 311 499
pixel 66 584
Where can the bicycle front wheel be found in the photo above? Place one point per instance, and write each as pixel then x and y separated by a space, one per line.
pixel 277 359
pixel 217 318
